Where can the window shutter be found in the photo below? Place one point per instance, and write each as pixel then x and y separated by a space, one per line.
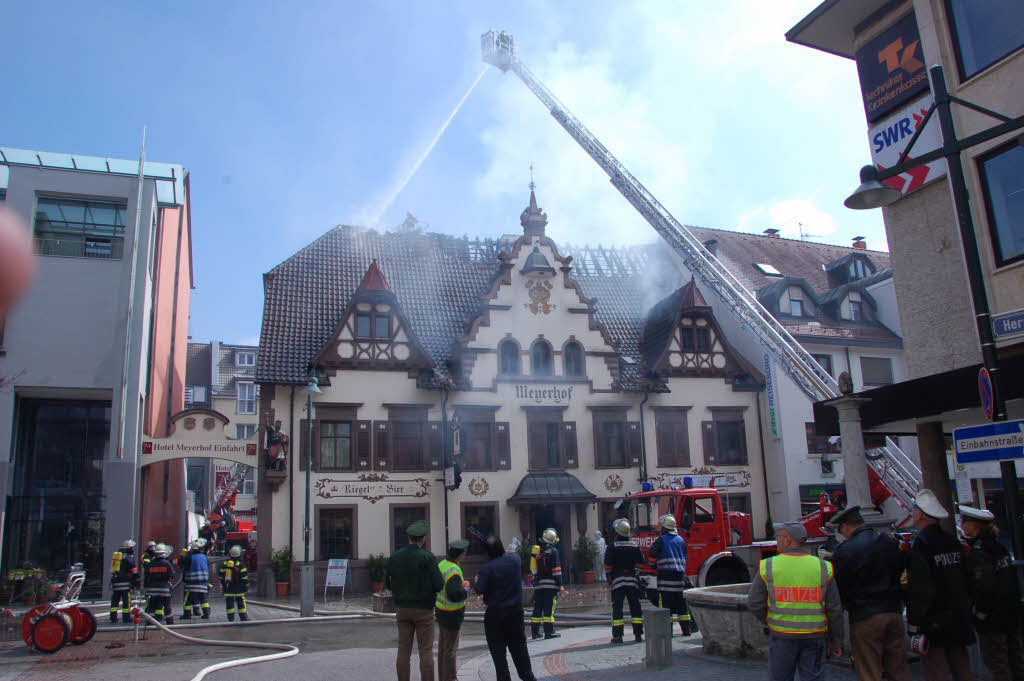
pixel 743 443
pixel 707 430
pixel 502 446
pixel 634 444
pixel 382 445
pixel 666 446
pixel 302 445
pixel 435 445
pixel 364 439
pixel 570 457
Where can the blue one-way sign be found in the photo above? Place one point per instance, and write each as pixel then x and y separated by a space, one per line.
pixel 990 442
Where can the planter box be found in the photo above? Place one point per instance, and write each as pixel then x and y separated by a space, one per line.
pixel 382 603
pixel 727 627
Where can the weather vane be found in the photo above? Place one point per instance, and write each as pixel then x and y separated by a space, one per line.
pixel 531 178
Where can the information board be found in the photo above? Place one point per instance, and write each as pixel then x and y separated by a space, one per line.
pixel 337 575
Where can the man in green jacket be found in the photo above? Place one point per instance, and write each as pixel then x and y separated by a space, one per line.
pixel 450 609
pixel 414 580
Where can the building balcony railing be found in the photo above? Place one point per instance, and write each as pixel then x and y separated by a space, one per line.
pixel 72 246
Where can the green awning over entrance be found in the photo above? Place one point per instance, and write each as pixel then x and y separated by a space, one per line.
pixel 550 488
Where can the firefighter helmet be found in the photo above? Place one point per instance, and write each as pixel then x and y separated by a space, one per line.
pixel 162 550
pixel 127 545
pixel 668 522
pixel 621 527
pixel 235 551
pixel 151 545
pixel 550 536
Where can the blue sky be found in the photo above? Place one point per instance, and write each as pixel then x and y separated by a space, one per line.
pixel 294 118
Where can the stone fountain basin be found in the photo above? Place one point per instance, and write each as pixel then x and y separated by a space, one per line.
pixel 727 627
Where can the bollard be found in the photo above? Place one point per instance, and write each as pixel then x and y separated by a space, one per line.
pixel 658 631
pixel 306 589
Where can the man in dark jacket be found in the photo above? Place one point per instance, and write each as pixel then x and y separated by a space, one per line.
pixel 868 567
pixel 500 582
pixel 938 604
pixel 158 573
pixel 621 560
pixel 996 597
pixel 414 580
pixel 450 609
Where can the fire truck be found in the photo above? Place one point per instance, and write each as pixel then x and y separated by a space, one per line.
pixel 226 530
pixel 719 542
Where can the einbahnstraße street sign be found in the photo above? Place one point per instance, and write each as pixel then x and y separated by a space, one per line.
pixel 999 441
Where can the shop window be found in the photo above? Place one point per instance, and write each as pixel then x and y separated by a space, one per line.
pixel 401 517
pixel 540 357
pixel 508 358
pixel 673 440
pixel 725 438
pixel 876 370
pixel 573 356
pixel 984 32
pixel 1002 177
pixel 336 529
pixel 479 521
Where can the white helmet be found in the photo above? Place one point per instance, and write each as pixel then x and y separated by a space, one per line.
pixel 235 551
pixel 550 536
pixel 162 550
pixel 127 545
pixel 197 545
pixel 668 522
pixel 621 527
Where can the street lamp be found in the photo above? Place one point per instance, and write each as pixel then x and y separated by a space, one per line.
pixel 873 194
pixel 306 576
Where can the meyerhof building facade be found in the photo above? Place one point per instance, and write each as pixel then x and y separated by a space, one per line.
pixel 558 385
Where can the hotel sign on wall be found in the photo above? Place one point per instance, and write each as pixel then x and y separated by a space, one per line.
pixel 372 487
pixel 199 449
pixel 541 394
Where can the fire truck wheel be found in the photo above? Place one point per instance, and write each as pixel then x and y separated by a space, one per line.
pixel 85 626
pixel 51 632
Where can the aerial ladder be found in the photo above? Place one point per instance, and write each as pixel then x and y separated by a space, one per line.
pixel 896 471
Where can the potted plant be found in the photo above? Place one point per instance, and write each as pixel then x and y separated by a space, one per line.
pixel 585 551
pixel 281 559
pixel 377 566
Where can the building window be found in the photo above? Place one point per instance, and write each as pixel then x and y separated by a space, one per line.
pixel 819 444
pixel 335 445
pixel 796 307
pixel 407 442
pixel 246 402
pixel 508 354
pixel 403 516
pixel 245 359
pixel 478 522
pixel 725 438
pixel 984 32
pixel 858 269
pixel 573 356
pixel 876 370
pixel 244 431
pixel 610 438
pixel 703 339
pixel 826 363
pixel 1002 177
pixel 673 439
pixel 475 438
pixel 336 527
pixel 542 364
pixel 248 486
pixel 373 325
pixel 543 430
pixel 856 311
pixel 687 339
pixel 828 467
pixel 73 227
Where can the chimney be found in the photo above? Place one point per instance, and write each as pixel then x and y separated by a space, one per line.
pixel 712 246
pixel 858 243
pixel 773 233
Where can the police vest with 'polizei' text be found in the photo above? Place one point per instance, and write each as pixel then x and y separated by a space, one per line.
pixel 796 588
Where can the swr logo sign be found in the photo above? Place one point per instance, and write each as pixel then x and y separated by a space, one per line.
pixel 895 56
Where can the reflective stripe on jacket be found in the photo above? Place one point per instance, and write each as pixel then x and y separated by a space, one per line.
pixel 796 593
pixel 668 554
pixel 448 570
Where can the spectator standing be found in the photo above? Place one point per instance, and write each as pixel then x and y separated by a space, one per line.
pixel 795 595
pixel 868 566
pixel 500 582
pixel 600 545
pixel 996 596
pixel 450 609
pixel 414 580
pixel 938 604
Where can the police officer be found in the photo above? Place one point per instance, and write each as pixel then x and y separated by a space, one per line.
pixel 547 582
pixel 450 609
pixel 124 576
pixel 234 578
pixel 414 580
pixel 994 591
pixel 938 604
pixel 158 573
pixel 197 582
pixel 621 560
pixel 668 557
pixel 868 567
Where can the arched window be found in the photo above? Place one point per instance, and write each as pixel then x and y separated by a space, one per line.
pixel 541 359
pixel 508 357
pixel 573 355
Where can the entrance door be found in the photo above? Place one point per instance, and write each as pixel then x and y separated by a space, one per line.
pixel 556 516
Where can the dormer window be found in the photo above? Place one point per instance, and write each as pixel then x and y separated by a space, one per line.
pixel 796 307
pixel 703 339
pixel 541 360
pixel 508 358
pixel 856 311
pixel 245 359
pixel 858 269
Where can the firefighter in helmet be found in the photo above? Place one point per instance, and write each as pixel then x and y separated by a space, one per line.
pixel 124 576
pixel 158 574
pixel 668 557
pixel 197 582
pixel 547 583
pixel 234 578
pixel 621 560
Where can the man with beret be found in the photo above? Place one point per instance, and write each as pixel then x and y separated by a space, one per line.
pixel 795 595
pixel 938 604
pixel 450 609
pixel 993 586
pixel 868 567
pixel 414 580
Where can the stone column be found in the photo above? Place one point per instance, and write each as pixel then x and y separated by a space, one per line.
pixel 931 442
pixel 858 488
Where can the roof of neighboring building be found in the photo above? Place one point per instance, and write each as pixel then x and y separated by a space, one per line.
pixel 228 373
pixel 197 364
